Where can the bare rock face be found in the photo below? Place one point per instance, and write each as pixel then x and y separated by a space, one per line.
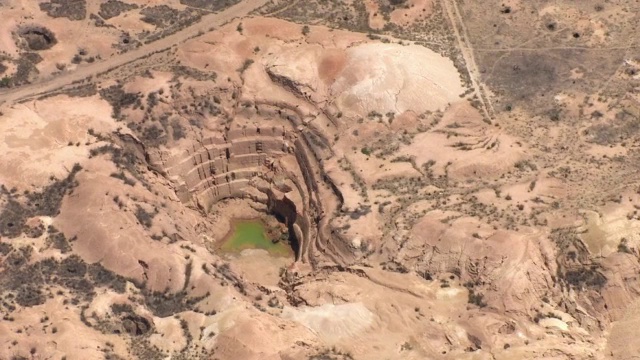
pixel 386 78
pixel 368 78
pixel 293 63
pixel 224 166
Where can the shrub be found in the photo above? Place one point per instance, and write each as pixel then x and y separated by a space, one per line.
pixel 476 299
pixel 246 65
pixel 144 217
pixel 5 82
pixel 623 247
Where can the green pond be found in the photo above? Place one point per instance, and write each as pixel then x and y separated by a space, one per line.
pixel 251 234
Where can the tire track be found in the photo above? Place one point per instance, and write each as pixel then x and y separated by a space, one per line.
pixel 462 37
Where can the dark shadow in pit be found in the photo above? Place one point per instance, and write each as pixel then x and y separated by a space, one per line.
pixel 293 239
pixel 37 38
pixel 284 210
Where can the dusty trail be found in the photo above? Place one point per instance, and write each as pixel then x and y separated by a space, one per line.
pixel 467 52
pixel 583 48
pixel 212 20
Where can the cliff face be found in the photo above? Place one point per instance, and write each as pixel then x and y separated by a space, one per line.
pixel 296 219
pixel 221 167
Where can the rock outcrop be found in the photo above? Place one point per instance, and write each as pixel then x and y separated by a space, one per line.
pixel 219 168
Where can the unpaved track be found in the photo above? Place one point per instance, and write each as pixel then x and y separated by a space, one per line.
pixel 464 44
pixel 24 92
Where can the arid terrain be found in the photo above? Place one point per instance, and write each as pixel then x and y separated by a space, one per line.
pixel 443 179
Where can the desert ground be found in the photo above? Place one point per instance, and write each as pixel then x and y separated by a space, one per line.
pixel 435 179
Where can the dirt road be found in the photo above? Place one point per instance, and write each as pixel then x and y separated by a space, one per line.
pixel 239 10
pixel 462 37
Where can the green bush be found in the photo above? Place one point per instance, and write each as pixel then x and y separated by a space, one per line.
pixel 5 82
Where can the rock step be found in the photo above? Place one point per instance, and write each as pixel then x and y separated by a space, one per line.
pixel 212 195
pixel 222 179
pixel 221 167
pixel 200 155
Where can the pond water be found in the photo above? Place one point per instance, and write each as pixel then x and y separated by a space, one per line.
pixel 252 234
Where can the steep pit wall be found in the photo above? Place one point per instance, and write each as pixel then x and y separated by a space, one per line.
pixel 219 168
pixel 230 166
pixel 249 161
pixel 324 200
pixel 297 221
